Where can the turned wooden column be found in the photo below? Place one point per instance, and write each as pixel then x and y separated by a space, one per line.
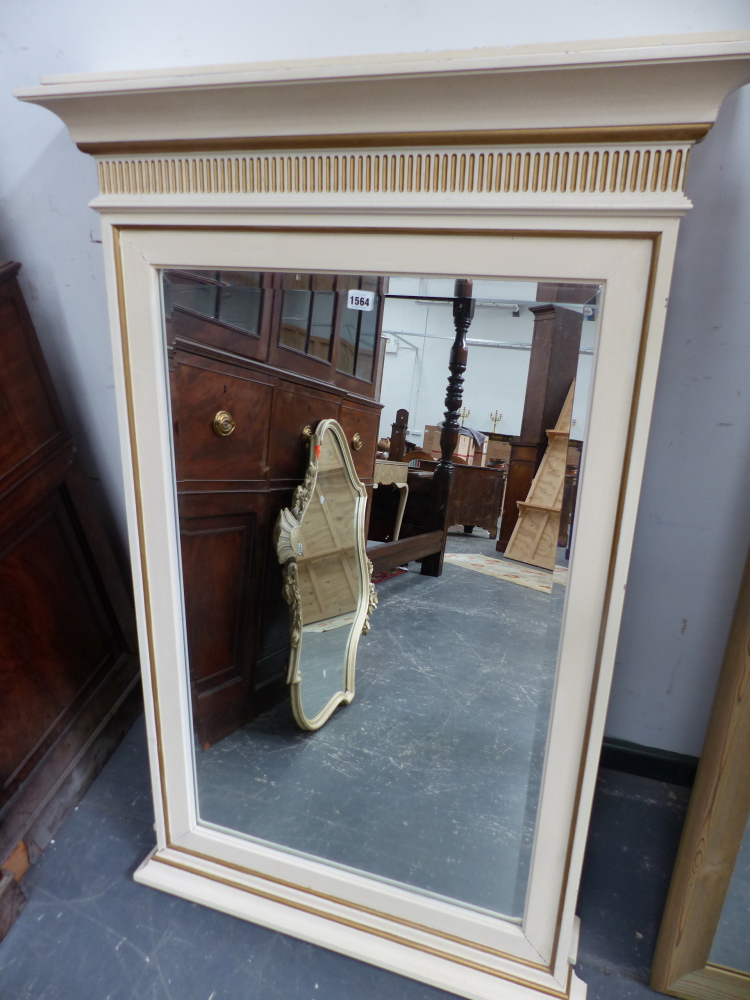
pixel 463 313
pixel 552 367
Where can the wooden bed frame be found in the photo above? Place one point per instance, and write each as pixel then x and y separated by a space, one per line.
pixel 423 536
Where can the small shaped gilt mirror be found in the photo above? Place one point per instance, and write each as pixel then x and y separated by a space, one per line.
pixel 320 543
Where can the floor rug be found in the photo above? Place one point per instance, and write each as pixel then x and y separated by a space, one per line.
pixel 513 572
pixel 380 577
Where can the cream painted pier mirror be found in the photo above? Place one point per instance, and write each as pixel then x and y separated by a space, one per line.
pixel 423 828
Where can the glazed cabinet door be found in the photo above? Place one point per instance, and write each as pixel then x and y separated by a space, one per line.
pixel 228 310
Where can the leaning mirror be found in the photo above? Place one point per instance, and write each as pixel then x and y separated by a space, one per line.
pixel 283 246
pixel 320 545
pixel 703 950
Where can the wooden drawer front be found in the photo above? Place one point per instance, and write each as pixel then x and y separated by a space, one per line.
pixel 200 453
pixel 293 410
pixel 365 423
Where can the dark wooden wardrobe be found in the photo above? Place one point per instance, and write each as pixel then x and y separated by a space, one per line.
pixel 68 667
pixel 254 359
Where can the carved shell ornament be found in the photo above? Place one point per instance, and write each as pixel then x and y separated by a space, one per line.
pixel 303 492
pixel 325 523
pixel 372 599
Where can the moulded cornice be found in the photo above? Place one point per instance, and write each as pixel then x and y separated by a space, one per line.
pixel 670 87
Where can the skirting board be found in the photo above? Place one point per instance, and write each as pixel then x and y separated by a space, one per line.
pixel 648 762
pixel 463 980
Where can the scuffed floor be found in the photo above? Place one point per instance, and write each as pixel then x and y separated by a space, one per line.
pixel 431 776
pixel 90 933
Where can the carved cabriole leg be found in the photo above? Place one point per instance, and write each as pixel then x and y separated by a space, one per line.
pixel 463 313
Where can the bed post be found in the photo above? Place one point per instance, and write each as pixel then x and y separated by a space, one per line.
pixel 463 313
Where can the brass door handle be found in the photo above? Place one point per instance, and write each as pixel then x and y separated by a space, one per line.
pixel 356 442
pixel 223 423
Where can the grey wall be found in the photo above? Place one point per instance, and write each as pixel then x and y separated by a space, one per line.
pixel 694 518
pixel 693 529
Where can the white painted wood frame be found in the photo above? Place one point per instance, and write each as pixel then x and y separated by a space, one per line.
pixel 549 164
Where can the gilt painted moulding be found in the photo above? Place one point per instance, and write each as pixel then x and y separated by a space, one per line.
pixel 643 173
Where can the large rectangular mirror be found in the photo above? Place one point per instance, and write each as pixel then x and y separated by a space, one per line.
pixel 303 261
pixel 456 674
pixel 419 783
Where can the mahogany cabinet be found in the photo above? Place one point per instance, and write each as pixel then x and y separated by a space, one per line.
pixel 68 668
pixel 278 353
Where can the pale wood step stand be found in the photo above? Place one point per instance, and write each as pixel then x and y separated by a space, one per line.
pixel 534 538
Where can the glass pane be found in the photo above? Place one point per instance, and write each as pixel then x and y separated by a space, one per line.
pixel 731 944
pixel 294 319
pixel 234 297
pixel 239 304
pixel 321 325
pixel 192 292
pixel 366 347
pixel 430 778
pixel 347 341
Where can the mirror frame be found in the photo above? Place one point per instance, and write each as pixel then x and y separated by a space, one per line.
pixel 430 938
pixel 716 821
pixel 541 163
pixel 285 539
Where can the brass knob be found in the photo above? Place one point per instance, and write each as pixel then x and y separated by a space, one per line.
pixel 307 433
pixel 223 423
pixel 356 442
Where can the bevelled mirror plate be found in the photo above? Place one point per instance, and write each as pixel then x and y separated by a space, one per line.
pixel 458 670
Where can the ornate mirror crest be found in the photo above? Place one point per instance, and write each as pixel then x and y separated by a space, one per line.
pixel 320 543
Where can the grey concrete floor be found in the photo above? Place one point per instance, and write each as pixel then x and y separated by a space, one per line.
pixel 454 678
pixel 90 933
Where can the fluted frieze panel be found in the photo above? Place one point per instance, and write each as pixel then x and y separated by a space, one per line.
pixel 638 169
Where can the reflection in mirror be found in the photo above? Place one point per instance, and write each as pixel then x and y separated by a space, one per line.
pixel 731 944
pixel 233 297
pixel 307 313
pixel 431 776
pixel 320 544
pixel 358 331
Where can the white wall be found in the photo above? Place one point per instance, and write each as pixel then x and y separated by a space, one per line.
pixel 694 523
pixel 415 375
